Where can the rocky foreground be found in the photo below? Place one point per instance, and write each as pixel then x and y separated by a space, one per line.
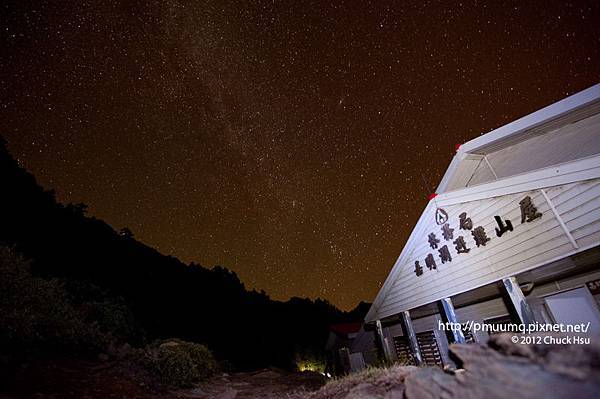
pixel 500 369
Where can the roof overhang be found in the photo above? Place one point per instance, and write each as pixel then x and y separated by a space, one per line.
pixel 568 110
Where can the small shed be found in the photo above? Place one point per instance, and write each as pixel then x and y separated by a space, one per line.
pixel 340 360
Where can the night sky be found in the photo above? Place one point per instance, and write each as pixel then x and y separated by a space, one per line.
pixel 294 142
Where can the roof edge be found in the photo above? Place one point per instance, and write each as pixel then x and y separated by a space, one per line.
pixel 552 111
pixel 546 114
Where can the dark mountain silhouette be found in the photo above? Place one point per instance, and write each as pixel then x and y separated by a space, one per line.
pixel 166 297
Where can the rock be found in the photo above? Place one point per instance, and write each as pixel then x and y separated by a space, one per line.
pixel 103 357
pixel 169 344
pixel 229 393
pixel 370 383
pixel 119 351
pixel 506 370
pixel 267 374
pixel 429 382
pixel 193 393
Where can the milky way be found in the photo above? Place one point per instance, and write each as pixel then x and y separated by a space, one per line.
pixel 294 142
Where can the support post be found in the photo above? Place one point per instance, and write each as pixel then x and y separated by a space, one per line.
pixel 518 301
pixel 449 316
pixel 384 346
pixel 409 332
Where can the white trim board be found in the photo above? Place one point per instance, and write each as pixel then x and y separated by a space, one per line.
pixel 553 111
pixel 569 172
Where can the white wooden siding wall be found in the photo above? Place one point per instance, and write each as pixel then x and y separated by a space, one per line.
pixel 480 311
pixel 364 341
pixel 576 140
pixel 579 207
pixel 483 174
pixel 464 171
pixel 419 325
pixel 396 330
pixel 387 333
pixel 529 245
pixel 426 323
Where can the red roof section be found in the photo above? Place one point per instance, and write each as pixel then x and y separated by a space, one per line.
pixel 345 328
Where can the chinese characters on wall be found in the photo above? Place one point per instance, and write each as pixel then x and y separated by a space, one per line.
pixel 529 213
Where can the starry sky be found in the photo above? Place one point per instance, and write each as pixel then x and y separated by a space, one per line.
pixel 294 142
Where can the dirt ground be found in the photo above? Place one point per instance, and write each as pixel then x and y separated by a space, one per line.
pixel 71 379
pixel 106 380
pixel 267 384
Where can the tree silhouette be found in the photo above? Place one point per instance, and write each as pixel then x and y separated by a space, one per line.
pixel 125 233
pixel 166 297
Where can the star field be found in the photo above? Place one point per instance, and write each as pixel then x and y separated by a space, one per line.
pixel 295 143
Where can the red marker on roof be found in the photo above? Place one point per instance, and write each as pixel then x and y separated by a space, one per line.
pixel 457 147
pixel 432 196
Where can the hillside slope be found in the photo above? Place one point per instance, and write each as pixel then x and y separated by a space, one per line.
pixel 166 297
